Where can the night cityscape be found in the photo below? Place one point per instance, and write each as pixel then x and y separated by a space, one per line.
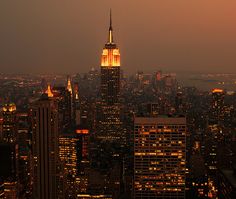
pixel 103 132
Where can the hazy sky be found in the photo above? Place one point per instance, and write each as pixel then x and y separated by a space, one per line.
pixel 67 36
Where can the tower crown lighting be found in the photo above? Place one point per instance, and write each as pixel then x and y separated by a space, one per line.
pixel 49 91
pixel 110 53
pixel 9 107
pixel 69 87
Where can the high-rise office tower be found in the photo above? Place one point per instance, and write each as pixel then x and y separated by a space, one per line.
pixel 83 169
pixel 9 152
pixel 69 155
pixel 9 169
pixel 159 157
pixel 9 123
pixel 110 89
pixel 76 105
pixel 25 155
pixel 215 132
pixel 45 149
pixel 179 104
pixel 217 105
pixel 64 99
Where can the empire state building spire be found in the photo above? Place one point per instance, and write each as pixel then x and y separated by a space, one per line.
pixel 110 39
pixel 110 52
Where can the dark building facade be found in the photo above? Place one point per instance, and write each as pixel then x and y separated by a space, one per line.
pixel 227 183
pixel 9 123
pixel 45 149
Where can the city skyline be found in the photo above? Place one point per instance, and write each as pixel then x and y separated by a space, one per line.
pixel 108 134
pixel 44 37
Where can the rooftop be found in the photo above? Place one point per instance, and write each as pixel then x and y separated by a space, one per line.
pixel 160 120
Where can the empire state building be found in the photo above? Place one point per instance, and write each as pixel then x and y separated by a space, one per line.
pixel 109 120
pixel 110 70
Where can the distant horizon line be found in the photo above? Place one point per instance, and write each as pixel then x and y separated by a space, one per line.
pixel 125 72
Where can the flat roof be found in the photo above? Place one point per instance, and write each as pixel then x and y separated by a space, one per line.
pixel 160 120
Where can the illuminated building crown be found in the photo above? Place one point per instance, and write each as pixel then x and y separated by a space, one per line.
pixel 9 107
pixel 69 87
pixel 110 53
pixel 49 91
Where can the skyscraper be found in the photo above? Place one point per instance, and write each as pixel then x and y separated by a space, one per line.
pixel 64 99
pixel 9 155
pixel 45 149
pixel 9 123
pixel 217 105
pixel 25 155
pixel 110 89
pixel 159 157
pixel 69 155
pixel 9 169
pixel 110 70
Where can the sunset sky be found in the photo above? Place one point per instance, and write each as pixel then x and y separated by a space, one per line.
pixel 67 36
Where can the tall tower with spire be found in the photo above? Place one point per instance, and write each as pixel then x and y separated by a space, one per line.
pixel 69 86
pixel 110 70
pixel 110 89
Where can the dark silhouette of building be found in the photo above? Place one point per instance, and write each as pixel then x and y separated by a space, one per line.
pixel 9 169
pixel 227 183
pixel 45 149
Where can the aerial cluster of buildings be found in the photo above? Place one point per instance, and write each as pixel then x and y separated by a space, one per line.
pixel 107 135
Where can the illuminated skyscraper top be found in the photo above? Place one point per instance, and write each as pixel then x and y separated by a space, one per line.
pixel 69 87
pixel 109 116
pixel 110 70
pixel 49 91
pixel 110 53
